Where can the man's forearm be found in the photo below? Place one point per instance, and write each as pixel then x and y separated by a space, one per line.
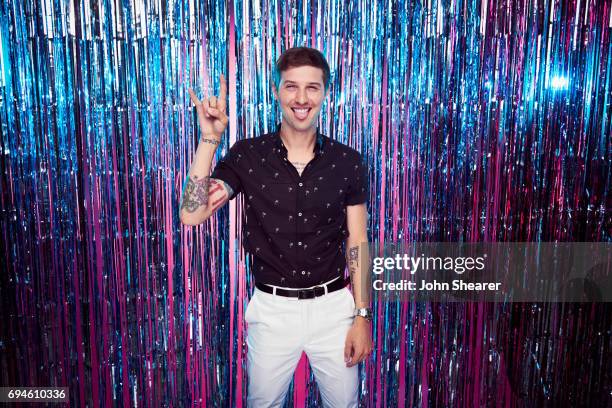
pixel 358 263
pixel 194 197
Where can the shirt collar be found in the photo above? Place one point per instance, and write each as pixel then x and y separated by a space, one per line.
pixel 319 143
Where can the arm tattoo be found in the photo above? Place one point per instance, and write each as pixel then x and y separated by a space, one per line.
pixel 353 260
pixel 215 185
pixel 211 141
pixel 230 191
pixel 195 194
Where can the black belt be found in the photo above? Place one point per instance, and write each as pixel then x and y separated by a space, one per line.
pixel 306 293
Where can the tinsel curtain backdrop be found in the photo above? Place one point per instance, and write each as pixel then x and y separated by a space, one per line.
pixel 480 121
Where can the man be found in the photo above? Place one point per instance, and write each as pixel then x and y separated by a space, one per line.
pixel 304 194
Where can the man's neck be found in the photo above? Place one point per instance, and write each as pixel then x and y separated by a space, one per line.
pixel 298 141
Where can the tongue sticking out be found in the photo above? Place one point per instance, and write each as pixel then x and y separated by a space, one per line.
pixel 301 114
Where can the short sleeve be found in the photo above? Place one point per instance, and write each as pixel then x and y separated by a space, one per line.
pixel 358 191
pixel 228 169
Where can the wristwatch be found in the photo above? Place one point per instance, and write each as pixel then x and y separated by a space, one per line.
pixel 364 312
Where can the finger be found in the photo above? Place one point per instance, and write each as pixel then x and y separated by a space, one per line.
pixel 223 117
pixel 215 113
pixel 212 101
pixel 347 352
pixel 358 357
pixel 222 89
pixel 205 107
pixel 193 97
pixel 354 360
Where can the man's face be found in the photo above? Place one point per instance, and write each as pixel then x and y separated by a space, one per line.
pixel 301 93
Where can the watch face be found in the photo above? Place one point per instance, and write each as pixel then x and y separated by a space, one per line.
pixel 366 313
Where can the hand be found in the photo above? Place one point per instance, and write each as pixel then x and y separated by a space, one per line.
pixel 358 344
pixel 211 112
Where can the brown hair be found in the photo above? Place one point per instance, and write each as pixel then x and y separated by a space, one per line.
pixel 298 57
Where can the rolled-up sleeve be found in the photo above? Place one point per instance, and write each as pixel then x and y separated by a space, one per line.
pixel 358 191
pixel 228 169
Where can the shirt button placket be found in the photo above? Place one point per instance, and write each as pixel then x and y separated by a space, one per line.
pixel 298 248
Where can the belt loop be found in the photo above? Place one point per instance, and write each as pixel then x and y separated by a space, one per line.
pixel 274 290
pixel 325 286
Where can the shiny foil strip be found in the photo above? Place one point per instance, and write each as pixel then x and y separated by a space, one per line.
pixel 480 121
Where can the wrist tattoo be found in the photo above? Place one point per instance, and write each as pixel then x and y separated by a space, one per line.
pixel 207 140
pixel 195 193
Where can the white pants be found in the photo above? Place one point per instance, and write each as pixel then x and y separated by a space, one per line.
pixel 280 328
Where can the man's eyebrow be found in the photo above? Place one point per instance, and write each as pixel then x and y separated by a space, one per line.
pixel 288 81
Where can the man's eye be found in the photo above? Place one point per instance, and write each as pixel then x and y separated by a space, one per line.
pixel 290 86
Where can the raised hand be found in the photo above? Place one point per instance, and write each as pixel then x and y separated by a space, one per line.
pixel 212 117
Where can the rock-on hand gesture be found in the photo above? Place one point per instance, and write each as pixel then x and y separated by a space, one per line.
pixel 211 112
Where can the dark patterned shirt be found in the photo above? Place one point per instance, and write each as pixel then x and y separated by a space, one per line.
pixel 294 225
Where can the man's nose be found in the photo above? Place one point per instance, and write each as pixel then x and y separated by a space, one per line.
pixel 301 96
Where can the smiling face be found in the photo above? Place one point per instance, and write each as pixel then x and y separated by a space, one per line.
pixel 301 93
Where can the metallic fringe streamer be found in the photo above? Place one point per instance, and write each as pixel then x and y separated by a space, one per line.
pixel 481 121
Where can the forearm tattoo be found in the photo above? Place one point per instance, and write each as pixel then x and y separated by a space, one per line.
pixel 353 261
pixel 195 194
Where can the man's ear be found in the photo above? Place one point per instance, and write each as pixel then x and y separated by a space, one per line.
pixel 275 92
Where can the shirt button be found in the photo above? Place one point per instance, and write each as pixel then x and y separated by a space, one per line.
pixel 300 184
pixel 300 243
pixel 299 214
pixel 303 272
